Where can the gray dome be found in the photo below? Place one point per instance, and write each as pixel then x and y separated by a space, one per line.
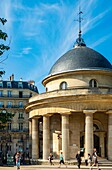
pixel 80 58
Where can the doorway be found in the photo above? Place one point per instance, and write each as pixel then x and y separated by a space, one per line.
pixel 97 144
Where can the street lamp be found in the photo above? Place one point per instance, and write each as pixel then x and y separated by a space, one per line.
pixel 4 111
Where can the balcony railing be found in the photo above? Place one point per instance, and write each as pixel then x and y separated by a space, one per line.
pixel 11 106
pixel 14 96
pixel 20 118
pixel 19 130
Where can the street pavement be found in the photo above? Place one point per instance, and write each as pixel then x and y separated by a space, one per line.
pixel 53 167
pixel 43 167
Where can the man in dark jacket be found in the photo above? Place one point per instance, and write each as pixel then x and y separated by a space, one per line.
pixel 78 157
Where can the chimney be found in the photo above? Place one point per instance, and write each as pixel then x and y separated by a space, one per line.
pixel 12 77
pixel 21 79
pixel 31 82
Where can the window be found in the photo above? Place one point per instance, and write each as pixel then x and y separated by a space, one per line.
pixel 1 104
pixel 32 86
pixel 93 83
pixel 20 115
pixel 35 88
pixel 30 94
pixel 20 126
pixel 1 84
pixel 20 104
pixel 20 85
pixel 29 86
pixel 9 126
pixel 8 84
pixel 9 93
pixel 9 147
pixel 20 94
pixel 63 86
pixel 1 93
pixel 9 104
pixel 95 127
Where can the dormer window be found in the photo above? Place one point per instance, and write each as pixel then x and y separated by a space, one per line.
pixel 35 88
pixel 20 85
pixel 1 84
pixel 63 86
pixel 32 86
pixel 8 84
pixel 29 85
pixel 93 83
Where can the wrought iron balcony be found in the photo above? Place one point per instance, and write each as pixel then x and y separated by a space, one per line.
pixel 19 130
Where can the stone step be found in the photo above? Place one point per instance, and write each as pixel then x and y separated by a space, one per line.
pixel 100 168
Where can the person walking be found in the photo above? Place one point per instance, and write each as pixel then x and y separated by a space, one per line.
pixel 61 160
pixel 78 157
pixel 95 161
pixel 18 157
pixel 89 159
pixel 50 159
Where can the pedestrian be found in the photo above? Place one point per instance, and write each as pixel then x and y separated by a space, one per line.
pixel 95 161
pixel 18 157
pixel 89 159
pixel 78 157
pixel 61 160
pixel 50 159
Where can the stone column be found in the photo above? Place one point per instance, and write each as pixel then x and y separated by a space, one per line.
pixel 30 138
pixel 110 135
pixel 102 144
pixel 35 139
pixel 46 137
pixel 65 136
pixel 88 132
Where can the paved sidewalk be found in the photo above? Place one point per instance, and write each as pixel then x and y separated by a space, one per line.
pixel 55 167
pixel 44 167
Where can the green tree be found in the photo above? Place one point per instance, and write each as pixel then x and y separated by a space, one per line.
pixel 5 117
pixel 3 47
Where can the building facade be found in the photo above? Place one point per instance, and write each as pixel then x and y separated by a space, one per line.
pixel 75 112
pixel 14 96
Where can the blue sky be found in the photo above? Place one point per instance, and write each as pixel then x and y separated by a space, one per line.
pixel 40 31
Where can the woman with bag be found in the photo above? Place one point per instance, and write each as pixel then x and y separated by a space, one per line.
pixel 18 158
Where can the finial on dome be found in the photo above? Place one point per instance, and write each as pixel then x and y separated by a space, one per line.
pixel 79 40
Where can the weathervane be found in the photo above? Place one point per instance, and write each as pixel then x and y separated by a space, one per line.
pixel 79 40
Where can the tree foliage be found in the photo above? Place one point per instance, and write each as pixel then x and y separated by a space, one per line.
pixel 3 47
pixel 5 117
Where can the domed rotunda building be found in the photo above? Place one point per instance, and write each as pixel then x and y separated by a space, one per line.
pixel 75 112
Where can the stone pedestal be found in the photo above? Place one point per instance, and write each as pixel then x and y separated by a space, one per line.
pixel 46 137
pixel 65 136
pixel 35 139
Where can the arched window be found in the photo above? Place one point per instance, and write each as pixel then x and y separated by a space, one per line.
pixel 93 83
pixel 95 127
pixel 63 86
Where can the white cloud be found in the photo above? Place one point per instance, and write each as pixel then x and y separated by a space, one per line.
pixel 101 40
pixel 26 50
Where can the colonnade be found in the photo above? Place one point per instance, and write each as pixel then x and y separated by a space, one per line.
pixel 65 135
